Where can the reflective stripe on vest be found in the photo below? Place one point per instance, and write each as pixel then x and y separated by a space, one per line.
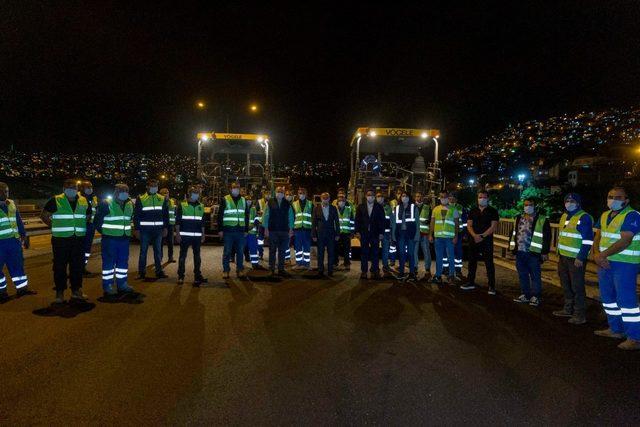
pixel 172 211
pixel 443 227
pixel 610 233
pixel 253 216
pixel 65 222
pixel 233 214
pixel 346 220
pixel 424 219
pixel 406 220
pixel 118 222
pixel 569 238
pixel 302 218
pixel 9 222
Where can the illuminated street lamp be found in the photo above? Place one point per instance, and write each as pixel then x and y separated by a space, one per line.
pixel 253 108
pixel 201 105
pixel 521 177
pixel 472 181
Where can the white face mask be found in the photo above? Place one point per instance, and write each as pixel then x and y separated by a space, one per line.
pixel 341 204
pixel 529 210
pixel 444 201
pixel 279 196
pixel 289 198
pixel 614 204
pixel 70 193
pixel 195 197
pixel 370 199
pixel 570 206
pixel 153 190
pixel 235 192
pixel 325 201
pixel 249 202
pixel 380 200
pixel 405 199
pixel 122 196
pixel 88 191
pixel 301 196
pixel 483 201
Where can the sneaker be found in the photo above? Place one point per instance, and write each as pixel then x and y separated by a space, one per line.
pixel 467 286
pixel 534 302
pixel 577 320
pixel 363 276
pixel 412 277
pixel 201 280
pixel 562 313
pixel 522 299
pixel 608 333
pixel 24 292
pixel 180 280
pixel 161 275
pixel 436 280
pixel 629 344
pixel 59 297
pixel 78 295
pixel 226 275
pixel 492 291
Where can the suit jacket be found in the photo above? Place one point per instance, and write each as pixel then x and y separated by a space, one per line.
pixel 325 228
pixel 370 226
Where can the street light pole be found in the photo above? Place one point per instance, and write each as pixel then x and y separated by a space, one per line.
pixel 435 139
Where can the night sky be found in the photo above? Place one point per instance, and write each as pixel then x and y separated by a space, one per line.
pixel 114 78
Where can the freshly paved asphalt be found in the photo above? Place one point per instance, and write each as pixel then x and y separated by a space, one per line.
pixel 303 351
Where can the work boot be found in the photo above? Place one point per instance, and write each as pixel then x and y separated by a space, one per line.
pixel 577 320
pixel 199 281
pixel 110 294
pixel 608 333
pixel 4 296
pixel 629 344
pixel 437 280
pixel 363 276
pixel 78 295
pixel 171 261
pixel 562 313
pixel 59 297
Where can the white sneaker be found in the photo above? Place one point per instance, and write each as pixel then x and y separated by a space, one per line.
pixel 522 299
pixel 492 291
pixel 534 302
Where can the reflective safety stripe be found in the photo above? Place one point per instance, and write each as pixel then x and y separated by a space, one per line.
pixel 151 223
pixel 537 234
pixel 186 233
pixel 63 229
pixel 7 231
pixel 610 305
pixel 120 276
pixel 630 310
pixel 122 270
pixel 117 227
pixel 192 218
pixel 536 245
pixel 117 218
pixel 631 319
pixel 587 242
pixel 19 278
pixel 613 312
pixel 62 216
pixel 574 235
pixel 568 248
pixel 22 285
pixel 152 208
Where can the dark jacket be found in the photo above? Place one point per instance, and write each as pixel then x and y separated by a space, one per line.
pixel 325 228
pixel 278 217
pixel 370 226
pixel 546 235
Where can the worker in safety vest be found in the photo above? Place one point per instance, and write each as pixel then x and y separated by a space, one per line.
pixel 302 210
pixel 457 248
pixel 252 234
pixel 388 247
pixel 233 223
pixel 405 231
pixel 575 239
pixel 443 233
pixel 151 220
pixel 68 216
pixel 262 206
pixel 393 202
pixel 346 216
pixel 617 253
pixel 530 241
pixel 424 214
pixel 190 233
pixel 12 239
pixel 85 189
pixel 288 195
pixel 173 208
pixel 113 221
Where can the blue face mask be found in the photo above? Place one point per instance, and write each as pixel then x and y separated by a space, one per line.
pixel 615 205
pixel 123 196
pixel 194 197
pixel 570 206
pixel 70 193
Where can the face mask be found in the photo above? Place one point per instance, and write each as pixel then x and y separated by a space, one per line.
pixel 153 190
pixel 235 192
pixel 325 201
pixel 615 205
pixel 379 200
pixel 194 197
pixel 70 193
pixel 289 198
pixel 444 201
pixel 279 196
pixel 529 210
pixel 405 199
pixel 370 199
pixel 88 191
pixel 341 204
pixel 249 202
pixel 483 201
pixel 301 196
pixel 123 196
pixel 570 207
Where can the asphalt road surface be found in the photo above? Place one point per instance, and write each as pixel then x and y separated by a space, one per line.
pixel 304 351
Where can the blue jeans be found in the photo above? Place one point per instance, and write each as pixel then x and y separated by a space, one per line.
pixel 233 242
pixel 426 251
pixel 328 242
pixel 619 298
pixel 444 250
pixel 150 237
pixel 529 268
pixel 115 263
pixel 406 251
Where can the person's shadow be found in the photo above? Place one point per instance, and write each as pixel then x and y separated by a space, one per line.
pixel 67 310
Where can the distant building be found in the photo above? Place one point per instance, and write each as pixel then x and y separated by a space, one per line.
pixel 591 170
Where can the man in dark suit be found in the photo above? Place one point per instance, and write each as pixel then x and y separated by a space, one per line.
pixel 369 227
pixel 325 229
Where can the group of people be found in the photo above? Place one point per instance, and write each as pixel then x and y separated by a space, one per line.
pixel 387 230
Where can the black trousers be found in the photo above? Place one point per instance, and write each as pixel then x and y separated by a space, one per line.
pixel 482 251
pixel 185 244
pixel 68 262
pixel 343 249
pixel 169 241
pixel 572 279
